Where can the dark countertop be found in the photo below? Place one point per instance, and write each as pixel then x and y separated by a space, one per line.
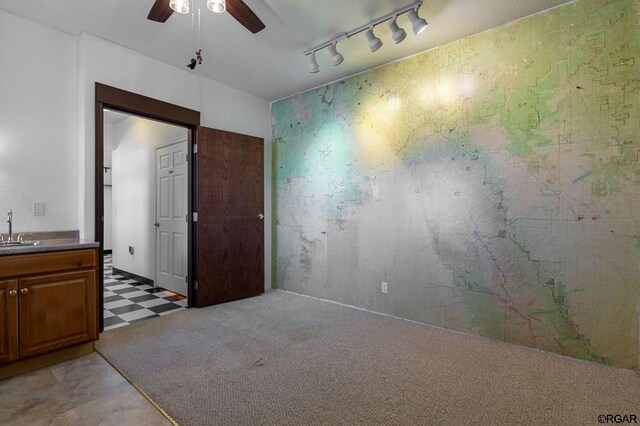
pixel 49 245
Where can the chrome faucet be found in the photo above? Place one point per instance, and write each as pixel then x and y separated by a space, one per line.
pixel 10 222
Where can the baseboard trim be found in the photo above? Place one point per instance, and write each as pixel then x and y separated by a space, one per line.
pixel 132 276
pixel 31 364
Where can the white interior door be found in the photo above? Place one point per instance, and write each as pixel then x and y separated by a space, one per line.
pixel 171 217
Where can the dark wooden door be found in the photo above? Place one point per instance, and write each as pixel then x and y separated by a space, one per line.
pixel 57 310
pixel 230 226
pixel 8 320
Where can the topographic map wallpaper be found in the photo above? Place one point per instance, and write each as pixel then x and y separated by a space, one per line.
pixel 493 183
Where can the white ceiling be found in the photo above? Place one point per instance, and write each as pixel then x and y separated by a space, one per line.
pixel 271 64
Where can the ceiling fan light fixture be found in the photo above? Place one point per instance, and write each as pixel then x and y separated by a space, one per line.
pixel 336 57
pixel 374 42
pixel 180 6
pixel 217 6
pixel 313 63
pixel 418 24
pixel 398 34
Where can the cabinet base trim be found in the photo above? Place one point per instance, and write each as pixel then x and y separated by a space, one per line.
pixel 41 361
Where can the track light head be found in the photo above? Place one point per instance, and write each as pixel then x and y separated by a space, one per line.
pixel 374 42
pixel 313 64
pixel 398 34
pixel 336 57
pixel 418 24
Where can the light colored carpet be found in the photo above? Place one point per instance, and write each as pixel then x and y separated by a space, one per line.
pixel 285 359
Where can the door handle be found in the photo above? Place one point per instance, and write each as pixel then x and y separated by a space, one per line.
pixel 24 290
pixel 260 216
pixel 157 224
pixel 12 292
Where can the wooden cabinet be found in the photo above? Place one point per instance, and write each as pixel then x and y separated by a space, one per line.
pixel 49 301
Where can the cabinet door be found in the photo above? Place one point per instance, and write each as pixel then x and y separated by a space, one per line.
pixel 57 310
pixel 8 320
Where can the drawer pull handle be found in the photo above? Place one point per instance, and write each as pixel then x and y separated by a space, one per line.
pixel 24 290
pixel 12 292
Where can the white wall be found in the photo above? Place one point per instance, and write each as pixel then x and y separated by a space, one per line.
pixel 47 95
pixel 134 195
pixel 38 126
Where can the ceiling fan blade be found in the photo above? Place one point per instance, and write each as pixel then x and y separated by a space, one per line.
pixel 160 11
pixel 243 14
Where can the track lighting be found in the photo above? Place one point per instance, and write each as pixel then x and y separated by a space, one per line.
pixel 313 64
pixel 374 42
pixel 217 6
pixel 398 34
pixel 336 57
pixel 180 6
pixel 418 24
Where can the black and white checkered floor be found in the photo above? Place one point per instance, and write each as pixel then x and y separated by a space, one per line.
pixel 127 300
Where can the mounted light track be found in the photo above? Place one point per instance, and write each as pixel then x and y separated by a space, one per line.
pixel 398 35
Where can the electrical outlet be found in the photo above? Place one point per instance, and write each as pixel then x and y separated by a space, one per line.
pixel 384 287
pixel 38 208
pixel 131 250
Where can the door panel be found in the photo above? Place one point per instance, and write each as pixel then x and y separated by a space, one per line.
pixel 164 198
pixel 171 200
pixel 8 320
pixel 179 244
pixel 57 310
pixel 230 194
pixel 163 261
pixel 179 203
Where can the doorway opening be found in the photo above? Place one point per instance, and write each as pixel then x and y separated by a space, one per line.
pixel 145 218
pixel 225 201
pixel 122 101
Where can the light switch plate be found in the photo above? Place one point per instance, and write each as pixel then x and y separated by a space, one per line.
pixel 38 208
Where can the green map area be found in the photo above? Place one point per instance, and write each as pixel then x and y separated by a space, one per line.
pixel 493 183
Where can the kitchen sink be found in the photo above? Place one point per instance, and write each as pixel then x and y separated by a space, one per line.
pixel 18 243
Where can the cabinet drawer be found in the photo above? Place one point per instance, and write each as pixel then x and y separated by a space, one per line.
pixel 35 263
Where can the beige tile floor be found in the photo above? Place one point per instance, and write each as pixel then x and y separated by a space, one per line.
pixel 83 391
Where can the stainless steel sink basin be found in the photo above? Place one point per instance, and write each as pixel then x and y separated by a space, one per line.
pixel 18 243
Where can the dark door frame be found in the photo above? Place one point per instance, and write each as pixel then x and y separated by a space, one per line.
pixel 129 102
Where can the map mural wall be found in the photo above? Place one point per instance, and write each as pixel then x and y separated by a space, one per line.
pixel 493 183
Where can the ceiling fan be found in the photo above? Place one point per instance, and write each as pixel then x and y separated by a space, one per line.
pixel 161 11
